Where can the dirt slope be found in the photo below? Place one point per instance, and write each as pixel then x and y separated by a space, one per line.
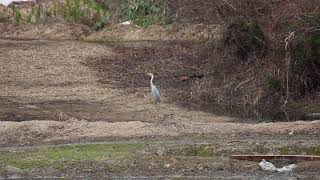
pixel 47 86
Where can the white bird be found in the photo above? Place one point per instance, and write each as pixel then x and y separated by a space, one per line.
pixel 267 166
pixel 154 90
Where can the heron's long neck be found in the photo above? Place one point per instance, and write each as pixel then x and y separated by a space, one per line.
pixel 151 83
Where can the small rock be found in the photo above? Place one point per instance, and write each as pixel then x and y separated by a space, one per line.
pixel 167 165
pixel 126 23
pixel 184 78
pixel 287 168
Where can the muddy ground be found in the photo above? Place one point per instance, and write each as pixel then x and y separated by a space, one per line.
pixel 55 92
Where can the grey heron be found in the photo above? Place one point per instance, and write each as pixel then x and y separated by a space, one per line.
pixel 154 90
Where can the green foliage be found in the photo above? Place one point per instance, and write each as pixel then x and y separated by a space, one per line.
pixel 142 12
pixel 17 14
pixel 101 22
pixel 29 16
pixel 247 36
pixel 81 10
pixel 273 84
pixel 39 13
pixel 72 10
pixel 55 9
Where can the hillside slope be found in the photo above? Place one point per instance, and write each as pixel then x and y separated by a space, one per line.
pixel 239 55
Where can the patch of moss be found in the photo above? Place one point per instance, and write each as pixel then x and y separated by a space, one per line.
pixel 58 156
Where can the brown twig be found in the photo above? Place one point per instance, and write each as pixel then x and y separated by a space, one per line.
pixel 241 83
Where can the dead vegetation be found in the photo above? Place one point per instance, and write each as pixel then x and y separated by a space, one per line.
pixel 304 51
pixel 252 68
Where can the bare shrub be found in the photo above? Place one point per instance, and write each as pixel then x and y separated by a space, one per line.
pixel 248 37
pixel 303 49
pixel 306 62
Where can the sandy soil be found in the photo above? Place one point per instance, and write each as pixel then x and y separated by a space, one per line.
pixel 49 94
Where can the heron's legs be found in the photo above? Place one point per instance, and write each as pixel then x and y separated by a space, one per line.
pixel 154 101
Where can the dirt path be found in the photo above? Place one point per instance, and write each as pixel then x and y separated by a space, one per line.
pixel 49 95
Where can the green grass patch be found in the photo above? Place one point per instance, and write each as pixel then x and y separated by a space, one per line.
pixel 61 155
